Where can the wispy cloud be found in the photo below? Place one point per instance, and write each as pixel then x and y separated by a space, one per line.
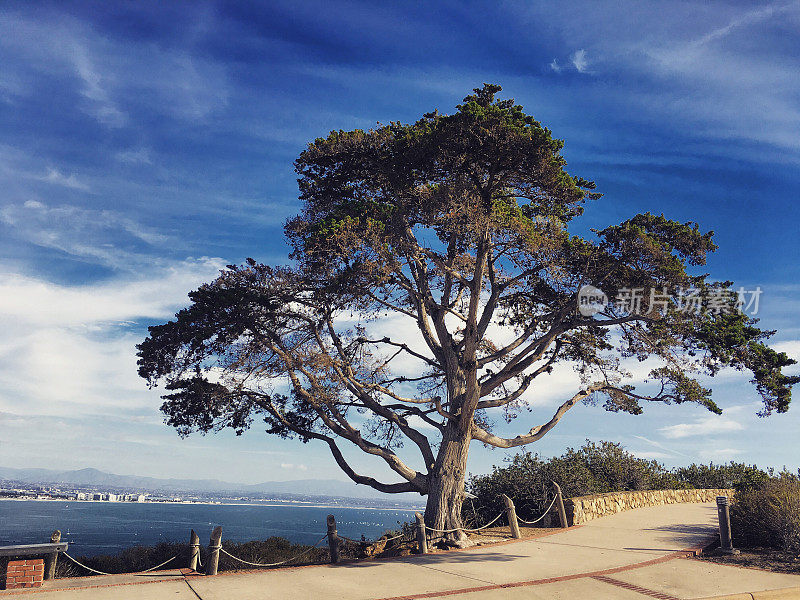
pixel 101 236
pixel 748 18
pixel 663 449
pixel 294 467
pixel 706 426
pixel 580 61
pixel 134 156
pixel 108 70
pixel 56 177
pixel 555 66
pixel 651 454
pixel 100 103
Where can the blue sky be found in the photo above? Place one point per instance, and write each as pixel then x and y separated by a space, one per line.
pixel 144 145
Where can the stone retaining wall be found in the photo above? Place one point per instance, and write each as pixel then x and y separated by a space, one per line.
pixel 585 508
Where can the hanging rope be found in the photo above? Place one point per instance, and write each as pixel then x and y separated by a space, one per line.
pixel 463 529
pixel 80 564
pixel 161 565
pixel 283 562
pixel 487 525
pixel 547 510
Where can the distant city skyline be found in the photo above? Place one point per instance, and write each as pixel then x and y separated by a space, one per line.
pixel 145 146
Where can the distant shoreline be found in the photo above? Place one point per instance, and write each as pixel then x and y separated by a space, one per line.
pixel 296 504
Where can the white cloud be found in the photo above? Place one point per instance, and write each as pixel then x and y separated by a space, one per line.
pixel 751 17
pixel 35 302
pixel 710 425
pixel 580 61
pixel 55 177
pixel 555 66
pixel 107 70
pixel 294 467
pixel 651 454
pixel 100 236
pixel 100 104
pixel 710 79
pixel 662 448
pixel 68 346
pixel 791 347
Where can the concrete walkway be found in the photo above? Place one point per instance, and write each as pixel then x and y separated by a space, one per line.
pixel 632 555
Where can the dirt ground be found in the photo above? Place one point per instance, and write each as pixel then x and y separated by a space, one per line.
pixel 491 535
pixel 766 559
pixel 500 534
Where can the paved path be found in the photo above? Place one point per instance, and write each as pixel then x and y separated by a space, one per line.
pixel 631 555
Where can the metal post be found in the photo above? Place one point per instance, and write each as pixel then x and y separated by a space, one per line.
pixel 725 544
pixel 422 540
pixel 194 550
pixel 333 539
pixel 214 544
pixel 511 513
pixel 562 513
pixel 51 560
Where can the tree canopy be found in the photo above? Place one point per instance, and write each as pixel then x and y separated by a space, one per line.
pixel 457 229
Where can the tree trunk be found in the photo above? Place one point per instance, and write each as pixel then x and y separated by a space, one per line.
pixel 446 487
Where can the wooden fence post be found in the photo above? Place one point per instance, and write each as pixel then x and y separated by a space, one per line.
pixel 562 513
pixel 511 513
pixel 51 560
pixel 333 539
pixel 214 544
pixel 194 550
pixel 422 540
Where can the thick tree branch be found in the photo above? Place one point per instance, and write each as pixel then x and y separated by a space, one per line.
pixel 418 485
pixel 538 432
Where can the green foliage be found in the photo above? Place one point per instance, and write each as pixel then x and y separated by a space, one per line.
pixel 768 515
pixel 738 476
pixel 595 468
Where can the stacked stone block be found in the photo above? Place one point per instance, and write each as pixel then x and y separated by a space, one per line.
pixel 586 508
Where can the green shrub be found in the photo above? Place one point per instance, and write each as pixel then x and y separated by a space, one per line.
pixel 768 515
pixel 595 468
pixel 733 475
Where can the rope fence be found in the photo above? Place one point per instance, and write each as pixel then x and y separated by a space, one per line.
pixel 80 564
pixel 464 529
pixel 421 534
pixel 275 564
pixel 544 514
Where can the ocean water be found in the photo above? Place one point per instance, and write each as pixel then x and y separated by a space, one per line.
pixel 94 528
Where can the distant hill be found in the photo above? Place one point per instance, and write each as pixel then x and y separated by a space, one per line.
pixel 300 487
